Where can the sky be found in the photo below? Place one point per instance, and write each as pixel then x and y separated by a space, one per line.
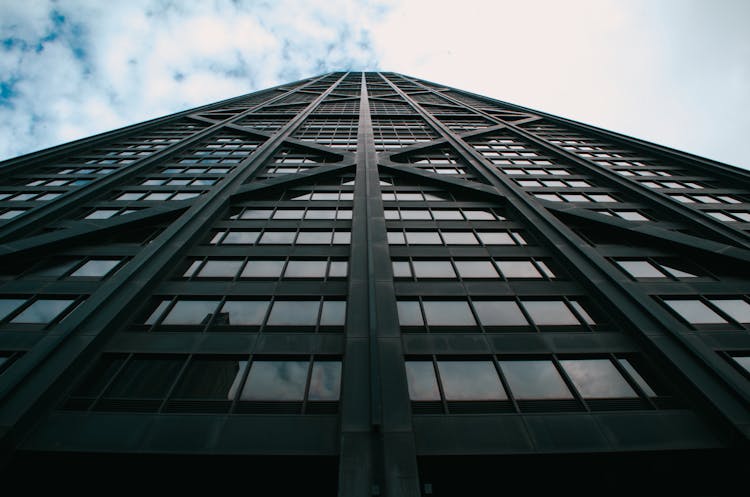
pixel 674 72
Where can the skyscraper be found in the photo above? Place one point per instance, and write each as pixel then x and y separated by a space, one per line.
pixel 370 284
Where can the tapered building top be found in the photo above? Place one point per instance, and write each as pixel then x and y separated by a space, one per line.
pixel 370 284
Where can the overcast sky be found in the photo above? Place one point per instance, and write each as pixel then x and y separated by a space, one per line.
pixel 675 72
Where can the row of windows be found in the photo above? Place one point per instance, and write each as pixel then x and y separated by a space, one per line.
pixel 730 216
pixel 516 379
pixel 575 197
pixel 443 214
pixel 553 183
pixel 298 315
pixel 29 196
pixel 267 237
pixel 310 213
pixel 90 170
pixel 706 199
pixel 410 197
pixel 492 315
pixel 641 268
pixel 156 196
pixel 59 182
pixel 11 213
pixel 35 310
pixel 179 182
pixel 626 215
pixel 645 172
pixel 206 383
pixel 671 184
pixel 75 267
pixel 711 311
pixel 267 268
pixel 534 172
pixel 443 237
pixel 108 213
pixel 195 170
pixel 471 269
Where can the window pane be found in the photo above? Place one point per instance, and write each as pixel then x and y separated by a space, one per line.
pixel 338 269
pixel 695 311
pixel 476 269
pixel 518 269
pixel 459 238
pixel 448 313
pixel 314 237
pixel 495 238
pixel 738 309
pixel 447 215
pixel 276 380
pixel 216 379
pixel 743 361
pixel 242 312
pixel 396 238
pixel 333 313
pixel 470 380
pixel 191 312
pixel 9 305
pixel 280 237
pixel 401 269
pixel 597 379
pixel 241 237
pixel 499 313
pixel 546 312
pixel 96 268
pixel 433 269
pixel 256 214
pixel 409 313
pixel 288 214
pixel 529 380
pixel 56 267
pixel 145 378
pixel 479 215
pixel 220 269
pixel 306 269
pixel 42 311
pixel 294 313
pixel 420 376
pixel 325 381
pixel 262 269
pixel 423 238
pixel 640 269
pixel 102 373
pixel 415 214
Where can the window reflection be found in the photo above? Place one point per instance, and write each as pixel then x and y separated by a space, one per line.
pixel 422 383
pixel 597 379
pixel 276 381
pixel 42 311
pixel 243 312
pixel 448 313
pixel 7 306
pixel 325 381
pixel 294 313
pixel 212 379
pixel 533 380
pixel 470 380
pixel 191 312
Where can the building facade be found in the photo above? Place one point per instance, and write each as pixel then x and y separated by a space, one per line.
pixel 369 284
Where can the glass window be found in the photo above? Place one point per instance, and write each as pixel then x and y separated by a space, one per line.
pixel 288 214
pixel 43 311
pixel 7 306
pixel 294 313
pixel 262 269
pixel 242 312
pixel 433 269
pixel 420 376
pixel 447 215
pixel 597 379
pixel 549 312
pixel 219 269
pixel 241 237
pixel 495 238
pixel 191 312
pixel 211 379
pixel 401 269
pixel 423 238
pixel 306 269
pixel 56 267
pixel 333 313
pixel 396 238
pixel 338 269
pixel 479 215
pixel 743 362
pixel 631 215
pixel 276 381
pixel 145 378
pixel 256 214
pixel 534 380
pixel 342 238
pixel 325 381
pixel 97 268
pixel 448 313
pixel 415 214
pixel 476 269
pixel 277 237
pixel 499 313
pixel 470 380
pixel 640 269
pixel 459 238
pixel 738 309
pixel 518 269
pixel 102 214
pixel 409 313
pixel 695 312
pixel 314 237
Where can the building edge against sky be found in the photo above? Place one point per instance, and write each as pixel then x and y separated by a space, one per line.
pixel 383 286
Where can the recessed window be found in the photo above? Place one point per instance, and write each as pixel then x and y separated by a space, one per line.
pixel 325 381
pixel 7 306
pixel 294 313
pixel 262 269
pixel 550 313
pixel 448 313
pixel 242 313
pixel 211 379
pixel 433 269
pixel 420 377
pixel 191 312
pixel 597 379
pixel 518 269
pixel 534 380
pixel 476 269
pixel 276 381
pixel 43 311
pixel 695 311
pixel 737 309
pixel 500 313
pixel 220 269
pixel 96 268
pixel 470 380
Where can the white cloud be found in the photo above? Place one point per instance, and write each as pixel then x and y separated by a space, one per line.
pixel 676 72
